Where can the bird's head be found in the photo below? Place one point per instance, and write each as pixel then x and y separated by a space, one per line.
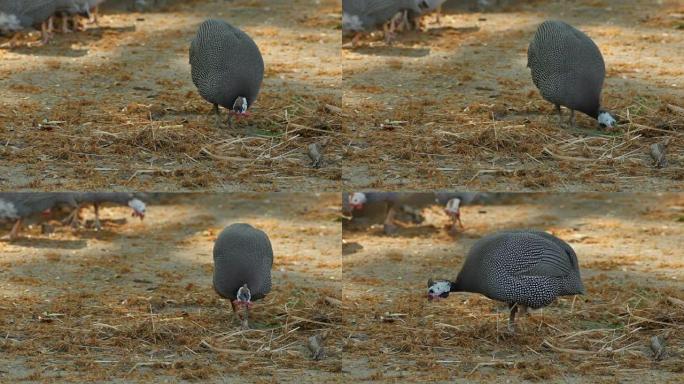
pixel 240 106
pixel 138 208
pixel 357 200
pixel 606 120
pixel 453 208
pixel 438 289
pixel 243 297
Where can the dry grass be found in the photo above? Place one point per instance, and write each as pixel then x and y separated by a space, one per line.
pixel 633 293
pixel 457 108
pixel 135 301
pixel 123 113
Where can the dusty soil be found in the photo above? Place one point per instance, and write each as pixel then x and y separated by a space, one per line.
pixel 455 106
pixel 115 108
pixel 629 249
pixel 135 301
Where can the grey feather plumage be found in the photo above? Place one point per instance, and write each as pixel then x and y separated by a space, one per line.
pixel 567 67
pixel 15 206
pixel 226 64
pixel 121 198
pixel 367 15
pixel 242 255
pixel 16 15
pixel 529 268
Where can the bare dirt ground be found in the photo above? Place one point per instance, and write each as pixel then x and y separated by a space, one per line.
pixel 115 108
pixel 135 303
pixel 629 249
pixel 455 106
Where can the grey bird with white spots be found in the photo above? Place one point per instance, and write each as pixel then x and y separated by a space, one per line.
pixel 227 67
pixel 18 15
pixel 568 69
pixel 97 199
pixel 243 259
pixel 18 207
pixel 521 268
pixel 359 16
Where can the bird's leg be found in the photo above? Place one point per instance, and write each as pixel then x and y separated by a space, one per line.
pixel 439 12
pixel 355 39
pixel 511 318
pixel 14 233
pixel 96 207
pixel 65 23
pixel 388 226
pixel 572 118
pixel 389 34
pixel 92 15
pixel 460 223
pixel 560 115
pixel 45 28
pixel 236 312
pixel 73 218
pixel 229 121
pixel 245 317
pixel 217 116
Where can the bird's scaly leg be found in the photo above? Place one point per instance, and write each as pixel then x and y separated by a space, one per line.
pixel 14 233
pixel 355 39
pixel 572 118
pixel 217 116
pixel 388 226
pixel 98 225
pixel 560 115
pixel 511 318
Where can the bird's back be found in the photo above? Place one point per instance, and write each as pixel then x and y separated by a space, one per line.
pixel 529 267
pixel 226 63
pixel 242 255
pixel 567 66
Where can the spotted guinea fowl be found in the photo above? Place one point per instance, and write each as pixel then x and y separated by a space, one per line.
pixel 393 202
pixel 568 69
pixel 20 206
pixel 359 16
pixel 73 9
pixel 521 268
pixel 99 198
pixel 18 15
pixel 227 67
pixel 243 258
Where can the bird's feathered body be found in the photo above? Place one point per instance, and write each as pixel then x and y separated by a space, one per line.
pixel 368 15
pixel 567 67
pixel 16 15
pixel 16 205
pixel 242 255
pixel 226 64
pixel 529 268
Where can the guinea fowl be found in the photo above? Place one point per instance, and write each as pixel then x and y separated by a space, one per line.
pixel 227 68
pixel 393 201
pixel 73 9
pixel 453 210
pixel 521 268
pixel 17 15
pixel 359 16
pixel 568 69
pixel 243 258
pixel 99 198
pixel 412 20
pixel 20 206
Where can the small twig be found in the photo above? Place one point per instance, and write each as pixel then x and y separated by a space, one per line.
pixel 566 350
